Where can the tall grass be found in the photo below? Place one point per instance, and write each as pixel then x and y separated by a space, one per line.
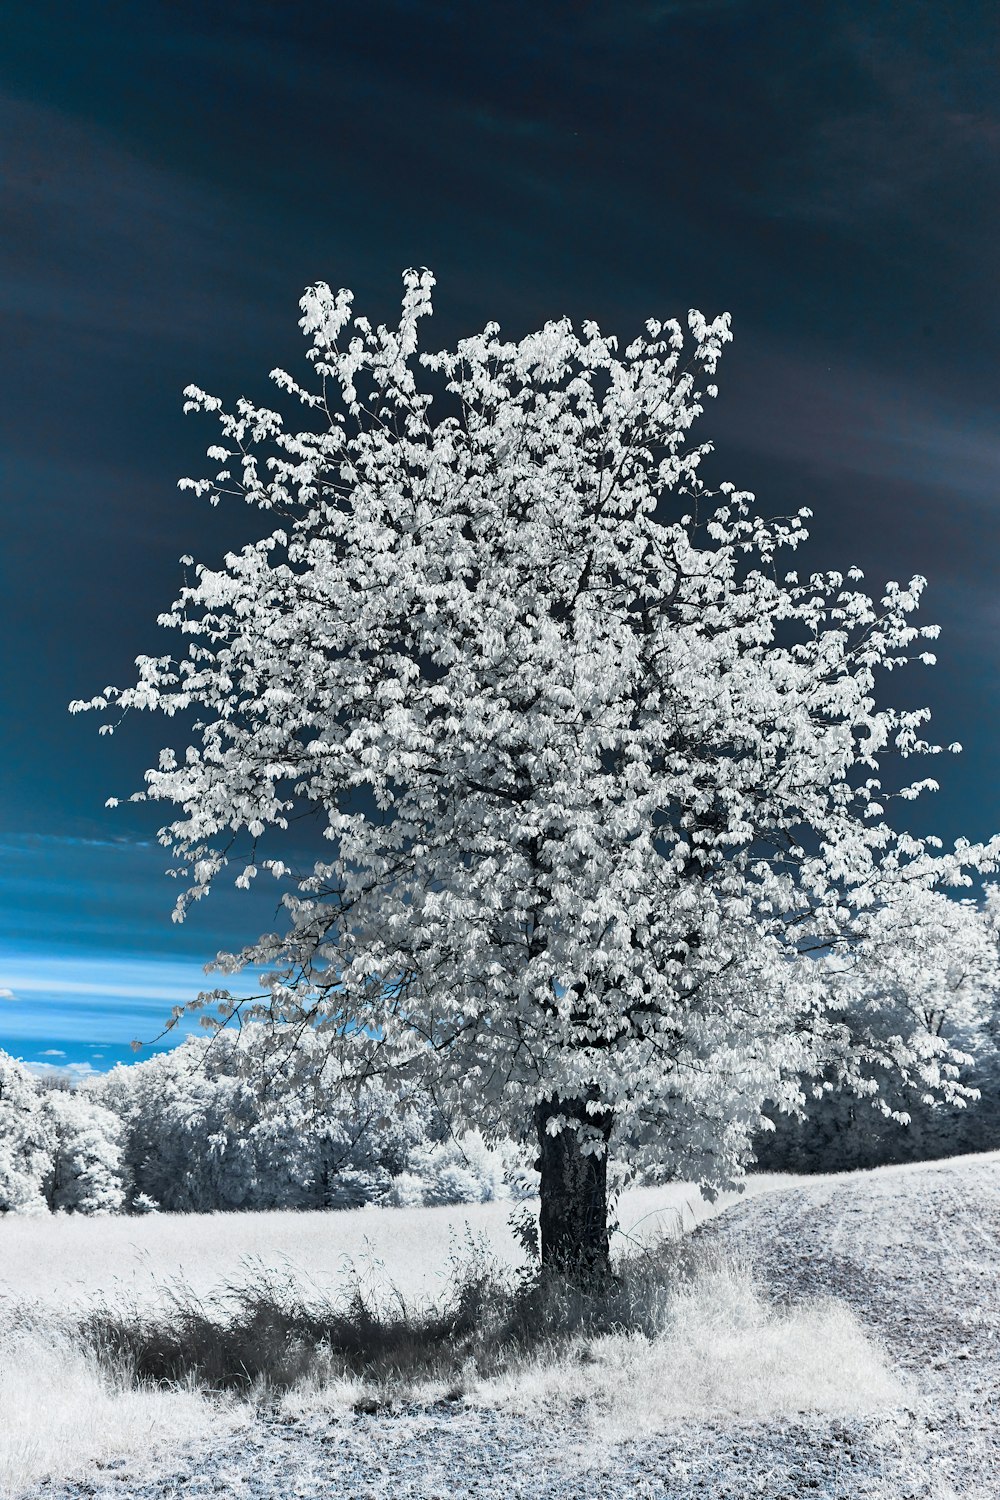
pixel 714 1348
pixel 64 1409
pixel 680 1332
pixel 269 1331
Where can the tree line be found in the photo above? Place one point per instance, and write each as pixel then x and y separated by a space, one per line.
pixel 199 1129
pixel 208 1127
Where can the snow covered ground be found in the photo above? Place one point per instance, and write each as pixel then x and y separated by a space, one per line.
pixel 912 1256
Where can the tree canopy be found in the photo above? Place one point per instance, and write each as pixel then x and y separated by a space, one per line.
pixel 603 783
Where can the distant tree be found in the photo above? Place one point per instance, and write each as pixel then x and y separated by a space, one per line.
pixel 201 1134
pixel 26 1140
pixel 53 1082
pixel 186 1144
pixel 465 1171
pixel 599 780
pixel 927 971
pixel 84 1174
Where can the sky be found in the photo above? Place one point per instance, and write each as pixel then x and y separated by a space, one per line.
pixel 175 174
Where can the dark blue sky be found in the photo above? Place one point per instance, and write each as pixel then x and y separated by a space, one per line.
pixel 173 175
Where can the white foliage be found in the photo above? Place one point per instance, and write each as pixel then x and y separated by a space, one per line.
pixel 454 1171
pixel 224 1123
pixel 85 1175
pixel 26 1140
pixel 927 971
pixel 186 1128
pixel 602 784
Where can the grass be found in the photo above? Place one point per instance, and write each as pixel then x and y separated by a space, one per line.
pixel 684 1333
pixel 270 1332
pixel 57 1259
pixel 717 1350
pixel 65 1410
pixel 680 1333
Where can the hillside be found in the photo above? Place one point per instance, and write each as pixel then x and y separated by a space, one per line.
pixel 915 1251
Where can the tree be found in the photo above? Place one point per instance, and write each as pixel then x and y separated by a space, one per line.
pixel 85 1170
pixel 187 1144
pixel 200 1135
pixel 598 782
pixel 926 970
pixel 26 1140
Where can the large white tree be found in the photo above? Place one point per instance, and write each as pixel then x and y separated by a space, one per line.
pixel 599 779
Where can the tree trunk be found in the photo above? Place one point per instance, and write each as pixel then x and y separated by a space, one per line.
pixel 574 1193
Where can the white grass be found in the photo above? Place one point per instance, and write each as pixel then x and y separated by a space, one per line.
pixel 59 1414
pixel 722 1353
pixel 67 1258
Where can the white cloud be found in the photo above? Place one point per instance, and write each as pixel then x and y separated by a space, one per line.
pixel 7 995
pixel 79 1071
pixel 52 1052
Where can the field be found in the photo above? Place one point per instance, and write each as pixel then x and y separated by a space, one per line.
pixel 831 1336
pixel 55 1260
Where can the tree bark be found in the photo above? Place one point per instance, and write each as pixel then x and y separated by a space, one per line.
pixel 574 1193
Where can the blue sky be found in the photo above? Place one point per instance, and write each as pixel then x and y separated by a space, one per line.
pixel 83 1011
pixel 173 175
pixel 89 959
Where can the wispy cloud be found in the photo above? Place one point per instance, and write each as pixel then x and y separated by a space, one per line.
pixel 102 1000
pixel 18 843
pixel 145 982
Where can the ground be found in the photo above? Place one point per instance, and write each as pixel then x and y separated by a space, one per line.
pixel 914 1251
